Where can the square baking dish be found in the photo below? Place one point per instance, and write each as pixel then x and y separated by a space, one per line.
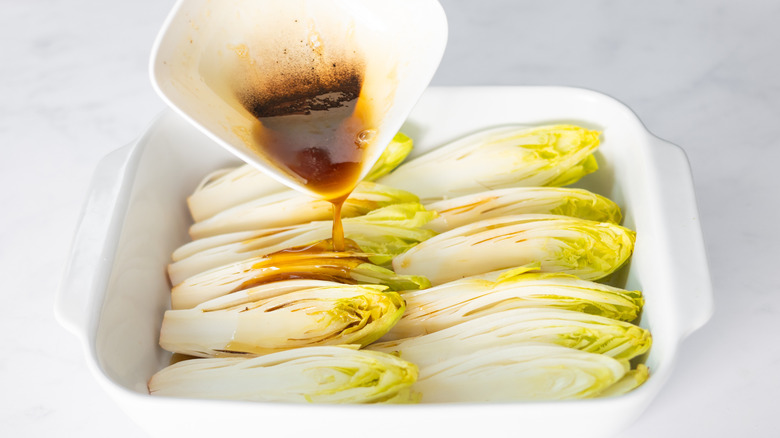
pixel 115 289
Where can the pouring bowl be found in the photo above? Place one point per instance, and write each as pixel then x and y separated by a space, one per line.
pixel 211 55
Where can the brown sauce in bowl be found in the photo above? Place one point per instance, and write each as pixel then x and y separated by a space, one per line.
pixel 315 128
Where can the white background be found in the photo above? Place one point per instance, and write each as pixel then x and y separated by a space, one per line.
pixel 702 74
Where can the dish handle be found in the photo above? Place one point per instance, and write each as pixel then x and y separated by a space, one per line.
pixel 690 280
pixel 74 306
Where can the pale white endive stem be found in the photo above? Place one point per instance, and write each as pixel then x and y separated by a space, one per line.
pixel 507 156
pixel 302 375
pixel 569 328
pixel 588 249
pixel 521 372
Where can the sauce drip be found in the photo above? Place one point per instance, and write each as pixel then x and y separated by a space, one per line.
pixel 318 134
pixel 299 263
pixel 338 227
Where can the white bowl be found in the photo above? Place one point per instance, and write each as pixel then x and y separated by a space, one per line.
pixel 115 290
pixel 209 49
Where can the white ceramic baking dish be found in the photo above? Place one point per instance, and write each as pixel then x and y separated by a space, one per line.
pixel 115 290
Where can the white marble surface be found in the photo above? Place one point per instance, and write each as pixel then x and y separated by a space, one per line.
pixel 704 74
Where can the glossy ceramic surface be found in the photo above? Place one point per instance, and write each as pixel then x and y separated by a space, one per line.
pixel 116 290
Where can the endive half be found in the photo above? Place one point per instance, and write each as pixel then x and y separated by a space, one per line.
pixel 568 328
pixel 340 267
pixel 453 303
pixel 381 234
pixel 509 156
pixel 463 210
pixel 290 207
pixel 248 323
pixel 226 188
pixel 521 372
pixel 311 374
pixel 588 249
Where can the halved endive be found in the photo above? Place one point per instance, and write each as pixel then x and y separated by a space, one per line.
pixel 508 156
pixel 568 328
pixel 463 210
pixel 290 207
pixel 311 374
pixel 381 234
pixel 226 188
pixel 247 323
pixel 454 303
pixel 587 249
pixel 340 267
pixel 520 372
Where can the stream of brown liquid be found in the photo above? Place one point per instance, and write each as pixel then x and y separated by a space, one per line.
pixel 338 227
pixel 319 139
